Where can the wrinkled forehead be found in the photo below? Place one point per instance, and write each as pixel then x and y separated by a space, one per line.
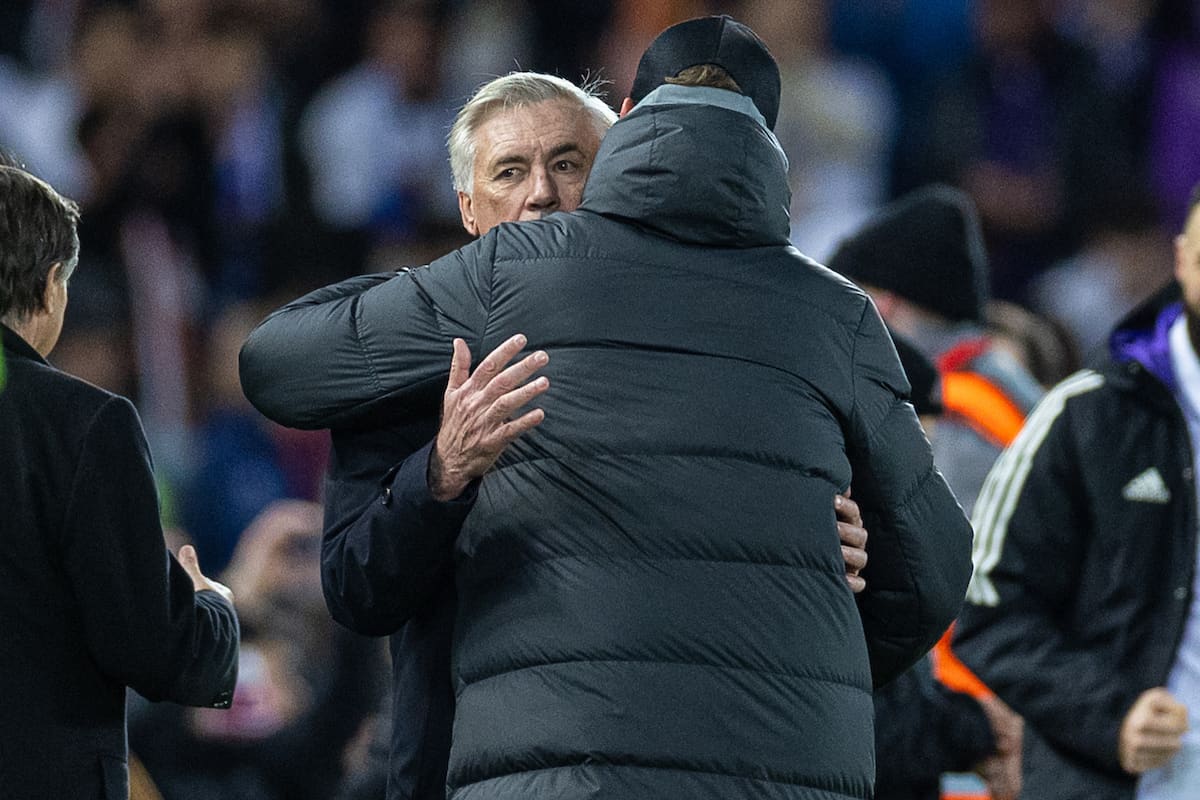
pixel 536 131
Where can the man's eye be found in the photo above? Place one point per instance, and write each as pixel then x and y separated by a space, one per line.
pixel 565 166
pixel 506 174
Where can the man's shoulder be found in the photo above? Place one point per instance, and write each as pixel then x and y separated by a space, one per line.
pixel 60 394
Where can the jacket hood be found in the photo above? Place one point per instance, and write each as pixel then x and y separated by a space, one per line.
pixel 696 165
pixel 1142 336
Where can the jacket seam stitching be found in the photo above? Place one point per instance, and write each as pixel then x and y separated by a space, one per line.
pixel 810 784
pixel 359 330
pixel 674 663
pixel 803 470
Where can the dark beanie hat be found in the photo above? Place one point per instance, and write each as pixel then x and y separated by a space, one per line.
pixel 926 247
pixel 922 375
pixel 719 40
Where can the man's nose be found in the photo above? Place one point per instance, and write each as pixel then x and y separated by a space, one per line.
pixel 543 195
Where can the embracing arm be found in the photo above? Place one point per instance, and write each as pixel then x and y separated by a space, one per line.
pixel 328 359
pixel 382 564
pixel 303 339
pixel 920 544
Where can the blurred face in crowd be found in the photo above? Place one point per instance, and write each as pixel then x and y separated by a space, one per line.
pixel 1187 269
pixel 529 161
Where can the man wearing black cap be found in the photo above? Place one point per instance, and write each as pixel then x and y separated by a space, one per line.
pixel 652 600
pixel 923 261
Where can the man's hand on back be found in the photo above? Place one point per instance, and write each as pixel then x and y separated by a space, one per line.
pixel 854 539
pixel 476 410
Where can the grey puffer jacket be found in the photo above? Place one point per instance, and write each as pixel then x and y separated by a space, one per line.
pixel 652 594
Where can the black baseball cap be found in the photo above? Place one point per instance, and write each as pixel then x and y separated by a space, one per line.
pixel 719 40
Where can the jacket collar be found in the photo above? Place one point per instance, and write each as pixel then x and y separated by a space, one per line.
pixel 696 165
pixel 1142 336
pixel 17 347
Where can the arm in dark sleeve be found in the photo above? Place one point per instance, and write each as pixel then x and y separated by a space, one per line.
pixel 920 542
pixel 923 729
pixel 380 565
pixel 144 623
pixel 329 358
pixel 1033 533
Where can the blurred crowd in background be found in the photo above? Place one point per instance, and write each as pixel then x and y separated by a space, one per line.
pixel 229 155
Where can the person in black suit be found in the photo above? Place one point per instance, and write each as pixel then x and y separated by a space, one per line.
pixel 91 601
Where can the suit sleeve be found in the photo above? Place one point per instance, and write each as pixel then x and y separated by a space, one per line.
pixel 382 564
pixel 1034 528
pixel 330 358
pixel 919 543
pixel 145 625
pixel 923 729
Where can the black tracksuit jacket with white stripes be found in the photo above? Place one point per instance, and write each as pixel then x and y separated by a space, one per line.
pixel 1084 555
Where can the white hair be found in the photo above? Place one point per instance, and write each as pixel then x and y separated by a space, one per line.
pixel 515 90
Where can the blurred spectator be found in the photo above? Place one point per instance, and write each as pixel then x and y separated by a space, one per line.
pixel 1115 270
pixel 1119 37
pixel 912 40
pixel 836 123
pixel 491 38
pixel 243 461
pixel 374 140
pixel 304 687
pixel 1175 110
pixel 1039 344
pixel 1026 131
pixel 922 261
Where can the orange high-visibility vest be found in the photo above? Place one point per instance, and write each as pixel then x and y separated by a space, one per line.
pixel 977 401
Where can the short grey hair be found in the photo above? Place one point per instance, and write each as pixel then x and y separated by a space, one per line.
pixel 516 90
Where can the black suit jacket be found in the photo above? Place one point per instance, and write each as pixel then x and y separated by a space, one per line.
pixel 91 602
pixel 381 526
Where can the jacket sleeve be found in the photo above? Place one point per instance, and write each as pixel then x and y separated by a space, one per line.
pixel 144 624
pixel 381 565
pixel 923 729
pixel 1034 528
pixel 328 359
pixel 919 543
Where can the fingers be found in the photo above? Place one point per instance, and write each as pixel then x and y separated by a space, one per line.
pixel 1152 732
pixel 855 559
pixel 460 364
pixel 187 558
pixel 852 535
pixel 189 561
pixel 492 382
pixel 507 403
pixel 511 431
pixel 515 375
pixel 220 589
pixel 856 583
pixel 495 360
pixel 847 510
pixel 1162 716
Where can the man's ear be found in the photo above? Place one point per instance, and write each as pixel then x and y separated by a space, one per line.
pixel 53 287
pixel 468 213
pixel 626 106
